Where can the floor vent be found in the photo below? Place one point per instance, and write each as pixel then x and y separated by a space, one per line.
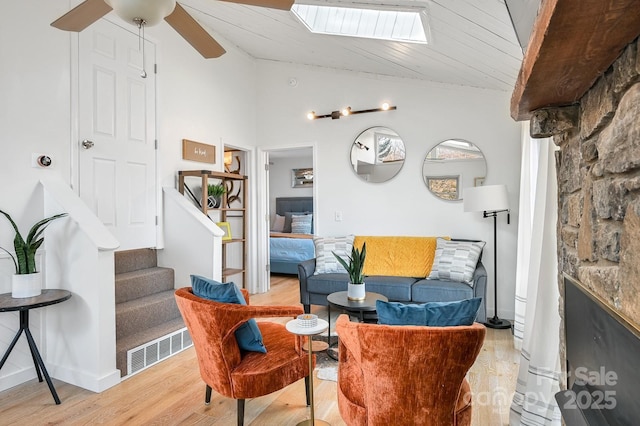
pixel 150 353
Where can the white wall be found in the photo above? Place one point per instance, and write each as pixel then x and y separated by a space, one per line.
pixel 210 101
pixel 280 179
pixel 427 114
pixel 34 117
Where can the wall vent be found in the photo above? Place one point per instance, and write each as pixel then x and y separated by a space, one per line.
pixel 152 352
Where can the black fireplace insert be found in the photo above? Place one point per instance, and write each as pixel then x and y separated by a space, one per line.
pixel 603 362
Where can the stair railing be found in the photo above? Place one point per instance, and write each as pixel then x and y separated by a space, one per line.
pixel 80 334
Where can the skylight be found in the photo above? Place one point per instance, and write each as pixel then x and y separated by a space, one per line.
pixel 405 26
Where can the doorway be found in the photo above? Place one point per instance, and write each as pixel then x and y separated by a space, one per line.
pixel 281 182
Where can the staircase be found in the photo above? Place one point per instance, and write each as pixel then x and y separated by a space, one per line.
pixel 148 322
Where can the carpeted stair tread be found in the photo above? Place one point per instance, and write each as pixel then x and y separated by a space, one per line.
pixel 123 345
pixel 133 260
pixel 135 284
pixel 146 308
pixel 145 312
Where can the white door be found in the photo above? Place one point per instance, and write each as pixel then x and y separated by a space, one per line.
pixel 117 149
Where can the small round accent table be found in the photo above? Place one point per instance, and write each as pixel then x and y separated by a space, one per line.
pixel 364 309
pixel 295 328
pixel 8 303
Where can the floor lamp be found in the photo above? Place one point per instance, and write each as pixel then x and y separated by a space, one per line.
pixel 490 200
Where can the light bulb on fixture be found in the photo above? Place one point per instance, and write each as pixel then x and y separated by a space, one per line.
pixel 334 115
pixel 150 12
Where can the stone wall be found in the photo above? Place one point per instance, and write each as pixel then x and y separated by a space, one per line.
pixel 599 185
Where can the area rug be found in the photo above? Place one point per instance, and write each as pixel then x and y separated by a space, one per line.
pixel 326 367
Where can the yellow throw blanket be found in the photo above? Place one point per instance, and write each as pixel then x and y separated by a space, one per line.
pixel 398 256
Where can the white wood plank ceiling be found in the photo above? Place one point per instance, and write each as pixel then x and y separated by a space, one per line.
pixel 471 42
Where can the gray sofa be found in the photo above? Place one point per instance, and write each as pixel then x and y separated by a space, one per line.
pixel 314 289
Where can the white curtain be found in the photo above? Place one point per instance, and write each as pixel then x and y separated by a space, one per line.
pixel 537 320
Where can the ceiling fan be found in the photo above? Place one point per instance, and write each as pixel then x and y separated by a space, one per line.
pixel 149 12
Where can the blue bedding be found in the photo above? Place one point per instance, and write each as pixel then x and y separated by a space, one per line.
pixel 291 249
pixel 287 252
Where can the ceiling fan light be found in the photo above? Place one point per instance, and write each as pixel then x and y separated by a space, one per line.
pixel 151 11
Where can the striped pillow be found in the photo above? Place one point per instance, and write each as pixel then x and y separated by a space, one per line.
pixel 456 260
pixel 301 224
pixel 326 262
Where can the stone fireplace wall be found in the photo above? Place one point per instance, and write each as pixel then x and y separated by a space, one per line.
pixel 599 185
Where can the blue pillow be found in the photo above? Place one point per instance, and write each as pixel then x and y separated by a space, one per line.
pixel 248 334
pixel 434 314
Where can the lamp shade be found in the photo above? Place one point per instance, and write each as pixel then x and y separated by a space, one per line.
pixel 485 198
pixel 152 11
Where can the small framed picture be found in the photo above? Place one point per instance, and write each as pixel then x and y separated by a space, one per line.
pixel 302 178
pixel 226 227
pixel 479 181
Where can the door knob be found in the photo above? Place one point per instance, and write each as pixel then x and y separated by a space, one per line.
pixel 87 144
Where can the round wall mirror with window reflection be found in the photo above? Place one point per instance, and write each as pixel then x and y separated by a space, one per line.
pixel 451 166
pixel 377 154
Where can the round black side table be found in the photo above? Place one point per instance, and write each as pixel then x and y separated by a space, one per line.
pixel 364 309
pixel 24 305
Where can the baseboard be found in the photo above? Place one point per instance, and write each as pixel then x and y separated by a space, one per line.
pixel 84 380
pixel 17 378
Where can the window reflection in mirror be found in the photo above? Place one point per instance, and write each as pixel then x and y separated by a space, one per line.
pixel 377 154
pixel 451 166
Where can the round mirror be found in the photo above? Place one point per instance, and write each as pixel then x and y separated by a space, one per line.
pixel 451 166
pixel 377 154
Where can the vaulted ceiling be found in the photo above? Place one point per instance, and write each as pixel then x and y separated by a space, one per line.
pixel 471 42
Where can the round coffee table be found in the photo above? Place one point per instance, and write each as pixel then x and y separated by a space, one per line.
pixel 364 309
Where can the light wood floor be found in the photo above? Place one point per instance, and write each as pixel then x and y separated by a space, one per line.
pixel 171 392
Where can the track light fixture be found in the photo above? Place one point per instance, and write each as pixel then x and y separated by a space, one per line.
pixel 360 145
pixel 335 115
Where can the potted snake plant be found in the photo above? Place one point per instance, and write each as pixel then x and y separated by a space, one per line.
pixel 27 281
pixel 215 193
pixel 355 268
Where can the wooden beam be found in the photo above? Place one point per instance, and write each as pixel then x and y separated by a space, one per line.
pixel 573 42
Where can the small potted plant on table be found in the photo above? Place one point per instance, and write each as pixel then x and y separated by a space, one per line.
pixel 27 282
pixel 355 266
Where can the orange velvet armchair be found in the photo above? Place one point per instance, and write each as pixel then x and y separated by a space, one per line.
pixel 405 375
pixel 230 371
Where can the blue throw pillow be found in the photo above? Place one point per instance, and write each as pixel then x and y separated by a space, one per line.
pixel 435 314
pixel 248 334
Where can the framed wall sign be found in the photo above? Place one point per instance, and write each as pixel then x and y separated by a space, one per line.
pixel 196 151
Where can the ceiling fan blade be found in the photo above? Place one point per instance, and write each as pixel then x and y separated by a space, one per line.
pixel 273 4
pixel 81 16
pixel 191 31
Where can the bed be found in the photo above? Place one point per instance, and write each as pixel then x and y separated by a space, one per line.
pixel 287 248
